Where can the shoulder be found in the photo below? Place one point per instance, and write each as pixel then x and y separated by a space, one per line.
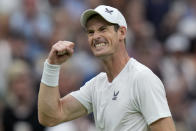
pixel 101 76
pixel 98 78
pixel 138 70
pixel 145 80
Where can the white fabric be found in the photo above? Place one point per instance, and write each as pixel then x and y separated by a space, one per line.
pixel 141 99
pixel 109 13
pixel 67 126
pixel 50 76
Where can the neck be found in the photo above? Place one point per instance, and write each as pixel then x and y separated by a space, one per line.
pixel 114 64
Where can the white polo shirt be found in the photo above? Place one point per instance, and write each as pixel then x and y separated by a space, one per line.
pixel 132 101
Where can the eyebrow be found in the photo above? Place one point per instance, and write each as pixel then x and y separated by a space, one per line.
pixel 103 26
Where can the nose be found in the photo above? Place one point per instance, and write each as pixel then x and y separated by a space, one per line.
pixel 96 38
pixel 96 35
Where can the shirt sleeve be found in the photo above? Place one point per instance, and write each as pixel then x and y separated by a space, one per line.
pixel 151 97
pixel 84 95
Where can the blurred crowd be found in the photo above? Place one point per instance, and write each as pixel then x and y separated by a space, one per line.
pixel 161 35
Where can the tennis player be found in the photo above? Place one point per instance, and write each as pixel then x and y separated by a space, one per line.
pixel 128 96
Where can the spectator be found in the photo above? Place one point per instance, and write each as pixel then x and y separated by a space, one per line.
pixel 36 27
pixel 20 113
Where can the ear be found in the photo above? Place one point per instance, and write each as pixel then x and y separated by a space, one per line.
pixel 122 33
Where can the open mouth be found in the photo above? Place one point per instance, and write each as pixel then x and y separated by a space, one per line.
pixel 99 45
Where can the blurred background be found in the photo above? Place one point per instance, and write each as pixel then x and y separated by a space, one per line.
pixel 161 35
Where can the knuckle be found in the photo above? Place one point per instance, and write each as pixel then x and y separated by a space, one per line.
pixel 63 45
pixel 68 42
pixel 54 47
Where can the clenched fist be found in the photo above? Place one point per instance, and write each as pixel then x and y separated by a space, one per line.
pixel 60 52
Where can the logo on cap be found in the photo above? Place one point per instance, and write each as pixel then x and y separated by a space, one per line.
pixel 108 11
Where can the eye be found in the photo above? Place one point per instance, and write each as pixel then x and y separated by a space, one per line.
pixel 90 32
pixel 103 28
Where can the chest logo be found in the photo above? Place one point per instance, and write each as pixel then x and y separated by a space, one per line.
pixel 108 11
pixel 115 95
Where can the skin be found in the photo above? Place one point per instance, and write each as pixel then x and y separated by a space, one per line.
pixel 52 109
pixel 113 55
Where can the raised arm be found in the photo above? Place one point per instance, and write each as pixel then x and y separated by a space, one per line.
pixel 52 109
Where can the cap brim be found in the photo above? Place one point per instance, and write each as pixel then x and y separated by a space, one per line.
pixel 85 16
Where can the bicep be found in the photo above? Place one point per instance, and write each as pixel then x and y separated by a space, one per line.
pixel 77 103
pixel 72 108
pixel 163 124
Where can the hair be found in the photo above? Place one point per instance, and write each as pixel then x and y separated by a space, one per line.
pixel 116 27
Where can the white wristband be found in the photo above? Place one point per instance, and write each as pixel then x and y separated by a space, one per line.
pixel 50 76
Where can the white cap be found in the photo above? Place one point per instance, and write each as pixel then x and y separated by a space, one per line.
pixel 110 14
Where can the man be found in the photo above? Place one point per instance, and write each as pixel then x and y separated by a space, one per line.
pixel 127 97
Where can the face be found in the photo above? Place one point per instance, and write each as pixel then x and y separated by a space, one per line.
pixel 22 87
pixel 102 37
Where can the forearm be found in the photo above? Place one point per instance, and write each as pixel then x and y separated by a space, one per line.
pixel 49 106
pixel 51 109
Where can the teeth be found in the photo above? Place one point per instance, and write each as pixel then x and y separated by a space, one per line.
pixel 100 44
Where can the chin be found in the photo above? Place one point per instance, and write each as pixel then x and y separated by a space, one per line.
pixel 101 55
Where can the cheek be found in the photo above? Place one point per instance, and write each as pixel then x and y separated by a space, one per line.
pixel 89 41
pixel 112 38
